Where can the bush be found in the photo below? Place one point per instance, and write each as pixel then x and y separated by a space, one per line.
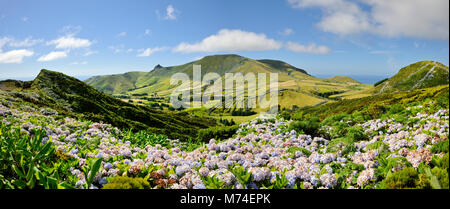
pixel 442 176
pixel 218 132
pixel 309 127
pixel 396 108
pixel 440 147
pixel 403 179
pixel 293 150
pixel 125 182
pixel 356 133
pixel 344 144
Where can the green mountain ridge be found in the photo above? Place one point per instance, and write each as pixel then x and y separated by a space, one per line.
pixel 418 75
pixel 296 86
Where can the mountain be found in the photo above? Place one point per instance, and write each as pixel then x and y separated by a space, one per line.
pixel 73 97
pixel 344 79
pixel 415 76
pixel 293 82
pixel 115 84
pixel 277 64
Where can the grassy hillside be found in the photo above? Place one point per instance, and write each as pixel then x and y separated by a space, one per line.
pixel 114 84
pixel 73 97
pixel 415 76
pixel 277 64
pixel 294 82
pixel 372 105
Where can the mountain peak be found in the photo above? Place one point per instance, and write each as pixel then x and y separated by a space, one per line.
pixel 157 66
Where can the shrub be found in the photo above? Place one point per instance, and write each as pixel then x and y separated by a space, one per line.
pixel 344 144
pixel 440 147
pixel 396 108
pixel 356 133
pixel 125 182
pixel 403 179
pixel 293 150
pixel 442 176
pixel 378 145
pixel 309 127
pixel 218 132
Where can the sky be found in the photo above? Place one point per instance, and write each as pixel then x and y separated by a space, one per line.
pixel 325 37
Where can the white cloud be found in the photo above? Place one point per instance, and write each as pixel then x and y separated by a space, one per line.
pixel 89 52
pixel 27 42
pixel 69 42
pixel 287 32
pixel 122 34
pixel 4 41
pixel 170 13
pixel 400 18
pixel 147 32
pixel 14 56
pixel 25 19
pixel 231 41
pixel 52 56
pixel 311 48
pixel 149 51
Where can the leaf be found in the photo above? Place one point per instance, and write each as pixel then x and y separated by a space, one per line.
pixel 18 172
pixel 52 182
pixel 20 184
pixel 95 167
pixel 434 182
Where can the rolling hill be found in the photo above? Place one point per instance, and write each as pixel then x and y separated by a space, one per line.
pixel 293 82
pixel 72 97
pixel 415 76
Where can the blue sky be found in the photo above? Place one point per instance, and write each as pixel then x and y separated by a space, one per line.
pixel 333 37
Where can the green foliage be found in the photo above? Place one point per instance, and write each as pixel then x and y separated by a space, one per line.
pixel 404 179
pixel 242 175
pixel 241 112
pixel 90 169
pixel 441 175
pixel 26 162
pixel 372 106
pixel 345 144
pixel 439 147
pixel 293 150
pixel 218 132
pixel 378 145
pixel 144 138
pixel 309 127
pixel 356 133
pixel 212 182
pixel 387 164
pixel 396 108
pixel 280 182
pixel 125 182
